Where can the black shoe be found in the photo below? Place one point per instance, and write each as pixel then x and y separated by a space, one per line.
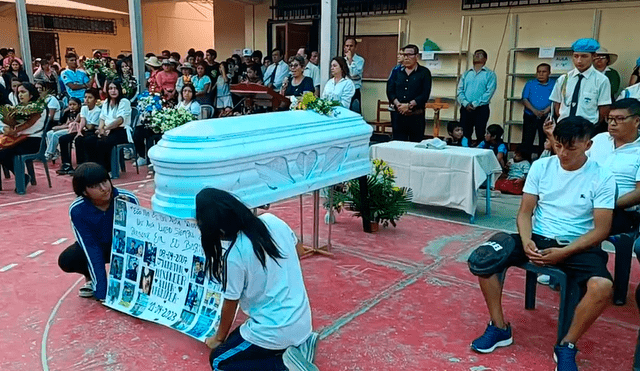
pixel 65 169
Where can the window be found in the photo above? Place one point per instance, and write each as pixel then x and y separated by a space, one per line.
pixel 310 9
pixel 50 22
pixel 484 4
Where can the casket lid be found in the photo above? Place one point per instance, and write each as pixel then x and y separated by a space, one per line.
pixel 219 129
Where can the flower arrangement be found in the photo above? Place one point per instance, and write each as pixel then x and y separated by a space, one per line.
pixel 169 118
pixel 312 103
pixel 387 202
pixel 129 86
pixel 95 65
pixel 17 115
pixel 148 104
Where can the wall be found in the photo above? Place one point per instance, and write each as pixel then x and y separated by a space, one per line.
pixel 177 26
pixel 441 21
pixel 228 27
pixel 84 43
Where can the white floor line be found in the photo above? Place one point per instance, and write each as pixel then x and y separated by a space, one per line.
pixel 34 254
pixel 59 241
pixel 43 348
pixel 457 222
pixel 7 267
pixel 67 194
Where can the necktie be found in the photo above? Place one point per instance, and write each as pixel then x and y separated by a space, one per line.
pixel 272 77
pixel 576 96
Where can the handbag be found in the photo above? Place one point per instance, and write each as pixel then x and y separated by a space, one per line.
pixel 9 141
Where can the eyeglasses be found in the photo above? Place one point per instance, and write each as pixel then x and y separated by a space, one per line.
pixel 294 65
pixel 407 55
pixel 618 119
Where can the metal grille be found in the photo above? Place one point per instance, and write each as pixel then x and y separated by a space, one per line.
pixel 485 4
pixel 310 9
pixel 50 22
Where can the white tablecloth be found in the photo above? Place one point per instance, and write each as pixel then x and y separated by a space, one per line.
pixel 449 177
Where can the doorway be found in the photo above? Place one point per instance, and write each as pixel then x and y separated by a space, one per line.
pixel 292 36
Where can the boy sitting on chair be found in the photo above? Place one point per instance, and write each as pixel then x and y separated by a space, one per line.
pixel 572 199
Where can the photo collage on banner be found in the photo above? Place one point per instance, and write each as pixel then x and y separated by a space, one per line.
pixel 157 272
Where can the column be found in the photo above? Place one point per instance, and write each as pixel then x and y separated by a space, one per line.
pixel 137 42
pixel 328 37
pixel 23 33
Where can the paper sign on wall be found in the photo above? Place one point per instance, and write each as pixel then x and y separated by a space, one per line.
pixel 547 53
pixel 561 63
pixel 428 56
pixel 157 272
pixel 434 64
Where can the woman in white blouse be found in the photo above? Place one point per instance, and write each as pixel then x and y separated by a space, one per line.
pixel 188 101
pixel 114 127
pixel 339 87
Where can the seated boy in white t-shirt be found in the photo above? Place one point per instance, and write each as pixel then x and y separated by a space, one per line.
pixel 565 214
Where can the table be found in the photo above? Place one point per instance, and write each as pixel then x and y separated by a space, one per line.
pixel 449 177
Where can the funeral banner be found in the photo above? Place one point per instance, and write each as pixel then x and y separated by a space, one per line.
pixel 157 272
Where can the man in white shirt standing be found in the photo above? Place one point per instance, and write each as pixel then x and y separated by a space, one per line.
pixel 310 70
pixel 565 213
pixel 356 66
pixel 582 91
pixel 277 71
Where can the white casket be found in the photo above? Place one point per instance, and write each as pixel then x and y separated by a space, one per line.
pixel 260 158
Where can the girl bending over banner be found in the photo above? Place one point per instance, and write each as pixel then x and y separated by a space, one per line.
pixel 92 223
pixel 255 260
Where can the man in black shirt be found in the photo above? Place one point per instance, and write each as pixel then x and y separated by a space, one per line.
pixel 408 91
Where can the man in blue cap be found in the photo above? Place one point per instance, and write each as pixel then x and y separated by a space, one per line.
pixel 582 91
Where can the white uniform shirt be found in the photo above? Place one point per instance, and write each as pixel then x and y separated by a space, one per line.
pixel 623 162
pixel 91 116
pixel 595 91
pixel 342 92
pixel 274 298
pixel 109 115
pixel 36 130
pixel 53 103
pixel 566 199
pixel 632 91
pixel 311 70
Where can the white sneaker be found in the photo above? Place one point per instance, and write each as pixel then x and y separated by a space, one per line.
pixel 543 279
pixel 294 360
pixel 86 291
pixel 141 161
pixel 127 154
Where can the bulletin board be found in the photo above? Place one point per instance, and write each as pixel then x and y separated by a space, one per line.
pixel 380 55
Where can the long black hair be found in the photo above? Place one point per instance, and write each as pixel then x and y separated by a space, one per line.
pixel 222 216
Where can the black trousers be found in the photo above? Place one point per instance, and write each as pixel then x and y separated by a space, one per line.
pixel 74 260
pixel 477 119
pixel 409 128
pixel 532 125
pixel 99 149
pixel 356 102
pixel 237 354
pixel 140 136
pixel 26 147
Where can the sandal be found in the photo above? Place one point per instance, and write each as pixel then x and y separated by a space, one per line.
pixel 86 291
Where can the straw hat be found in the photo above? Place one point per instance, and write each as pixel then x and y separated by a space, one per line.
pixel 188 65
pixel 153 62
pixel 612 56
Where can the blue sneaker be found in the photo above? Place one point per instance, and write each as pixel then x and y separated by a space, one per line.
pixel 492 338
pixel 565 357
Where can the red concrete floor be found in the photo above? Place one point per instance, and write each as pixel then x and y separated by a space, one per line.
pixel 400 299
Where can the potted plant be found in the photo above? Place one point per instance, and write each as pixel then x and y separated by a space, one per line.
pixel 387 202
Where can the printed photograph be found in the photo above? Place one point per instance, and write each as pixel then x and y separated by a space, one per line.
pixel 211 304
pixel 113 291
pixel 120 214
pixel 118 241
pixel 141 304
pixel 150 253
pixel 127 294
pixel 194 296
pixel 131 272
pixel 134 247
pixel 197 270
pixel 186 318
pixel 201 327
pixel 116 266
pixel 146 280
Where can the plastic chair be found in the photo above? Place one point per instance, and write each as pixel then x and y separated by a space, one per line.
pixel 623 244
pixel 206 112
pixel 570 294
pixel 118 162
pixel 19 163
pixel 636 357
